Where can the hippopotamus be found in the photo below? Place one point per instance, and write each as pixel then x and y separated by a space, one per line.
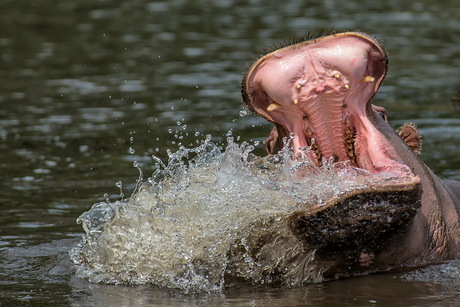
pixel 318 92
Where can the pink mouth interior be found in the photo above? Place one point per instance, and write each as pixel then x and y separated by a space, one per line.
pixel 317 89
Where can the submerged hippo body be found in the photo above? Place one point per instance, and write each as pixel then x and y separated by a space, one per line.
pixel 318 92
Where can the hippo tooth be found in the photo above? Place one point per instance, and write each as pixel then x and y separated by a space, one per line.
pixel 345 106
pixel 304 118
pixel 367 79
pixel 295 101
pixel 299 86
pixel 314 145
pixel 351 153
pixel 336 76
pixel 353 159
pixel 309 131
pixel 347 86
pixel 273 107
pixel 319 157
pixel 347 120
pixel 349 145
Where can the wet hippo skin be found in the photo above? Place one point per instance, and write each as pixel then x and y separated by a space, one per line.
pixel 318 92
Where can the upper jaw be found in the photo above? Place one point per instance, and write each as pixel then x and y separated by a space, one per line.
pixel 320 91
pixel 336 63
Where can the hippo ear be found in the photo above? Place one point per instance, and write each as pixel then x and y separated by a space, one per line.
pixel 409 133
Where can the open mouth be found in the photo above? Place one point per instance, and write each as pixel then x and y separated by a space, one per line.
pixel 319 90
pixel 318 93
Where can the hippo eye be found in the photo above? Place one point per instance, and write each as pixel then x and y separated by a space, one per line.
pixel 383 116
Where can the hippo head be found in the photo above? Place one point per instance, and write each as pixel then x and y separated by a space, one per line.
pixel 318 92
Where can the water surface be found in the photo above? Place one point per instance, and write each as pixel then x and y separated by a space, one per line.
pixel 89 87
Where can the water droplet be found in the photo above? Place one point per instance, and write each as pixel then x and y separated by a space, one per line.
pixel 243 113
pixel 172 107
pixel 119 184
pixel 135 164
pixel 179 123
pixel 197 133
pixel 131 150
pixel 170 130
pixel 229 133
pixel 131 139
pixel 256 143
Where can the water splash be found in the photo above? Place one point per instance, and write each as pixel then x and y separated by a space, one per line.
pixel 446 274
pixel 119 184
pixel 209 217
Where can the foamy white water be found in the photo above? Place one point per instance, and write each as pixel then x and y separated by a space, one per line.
pixel 209 218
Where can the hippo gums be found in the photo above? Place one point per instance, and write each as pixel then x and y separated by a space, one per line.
pixel 318 92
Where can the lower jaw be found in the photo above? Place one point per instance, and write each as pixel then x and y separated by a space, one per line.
pixel 387 166
pixel 386 183
pixel 364 221
pixel 341 222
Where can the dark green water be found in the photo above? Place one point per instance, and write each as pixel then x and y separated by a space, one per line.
pixel 88 87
